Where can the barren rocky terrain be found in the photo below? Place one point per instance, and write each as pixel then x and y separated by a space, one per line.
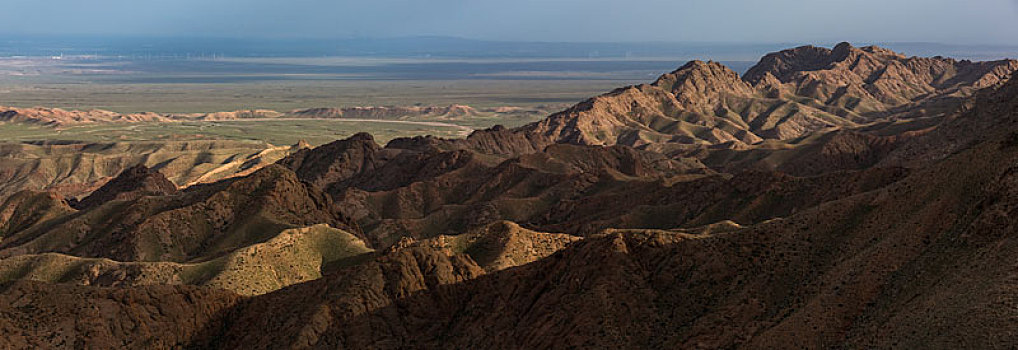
pixel 828 198
pixel 60 117
pixel 75 169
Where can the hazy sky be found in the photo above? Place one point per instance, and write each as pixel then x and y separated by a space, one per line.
pixel 957 21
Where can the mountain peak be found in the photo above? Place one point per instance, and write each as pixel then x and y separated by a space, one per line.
pixel 361 136
pixel 699 84
pixel 700 66
pixel 785 64
pixel 842 50
pixel 696 69
pixel 135 182
pixel 335 161
pixel 697 72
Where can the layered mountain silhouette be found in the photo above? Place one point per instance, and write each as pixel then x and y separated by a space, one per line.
pixel 200 221
pixel 828 198
pixel 57 117
pixel 788 95
pixel 76 169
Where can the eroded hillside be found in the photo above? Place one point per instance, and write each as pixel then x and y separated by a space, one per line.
pixel 75 169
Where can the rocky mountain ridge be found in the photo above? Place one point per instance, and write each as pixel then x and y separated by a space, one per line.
pixel 787 95
pixel 61 117
pixel 75 169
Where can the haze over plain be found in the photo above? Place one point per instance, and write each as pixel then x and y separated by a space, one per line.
pixel 945 21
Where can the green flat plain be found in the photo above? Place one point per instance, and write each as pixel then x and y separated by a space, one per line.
pixel 281 132
pixel 289 95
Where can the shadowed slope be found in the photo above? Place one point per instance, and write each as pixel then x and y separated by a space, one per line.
pixel 76 169
pixel 892 267
pixel 36 315
pixel 29 208
pixel 501 245
pixel 133 183
pixel 202 222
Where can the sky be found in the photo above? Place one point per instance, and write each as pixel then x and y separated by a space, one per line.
pixel 734 21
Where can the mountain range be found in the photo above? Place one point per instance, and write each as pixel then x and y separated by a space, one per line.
pixel 828 198
pixel 57 117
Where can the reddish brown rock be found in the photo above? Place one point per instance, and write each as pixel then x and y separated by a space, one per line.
pixel 133 183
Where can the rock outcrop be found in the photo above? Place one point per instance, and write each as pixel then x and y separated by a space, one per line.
pixel 59 117
pixel 205 221
pixel 76 169
pixel 133 183
pixel 397 112
pixel 36 315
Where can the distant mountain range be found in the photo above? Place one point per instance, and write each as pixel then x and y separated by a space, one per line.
pixel 56 117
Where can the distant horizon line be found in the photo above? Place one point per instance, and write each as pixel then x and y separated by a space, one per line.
pixel 822 42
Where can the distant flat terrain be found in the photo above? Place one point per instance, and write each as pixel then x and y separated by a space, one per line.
pixel 276 132
pixel 203 84
pixel 283 95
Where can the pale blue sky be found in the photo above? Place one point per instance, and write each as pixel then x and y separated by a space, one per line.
pixel 970 21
